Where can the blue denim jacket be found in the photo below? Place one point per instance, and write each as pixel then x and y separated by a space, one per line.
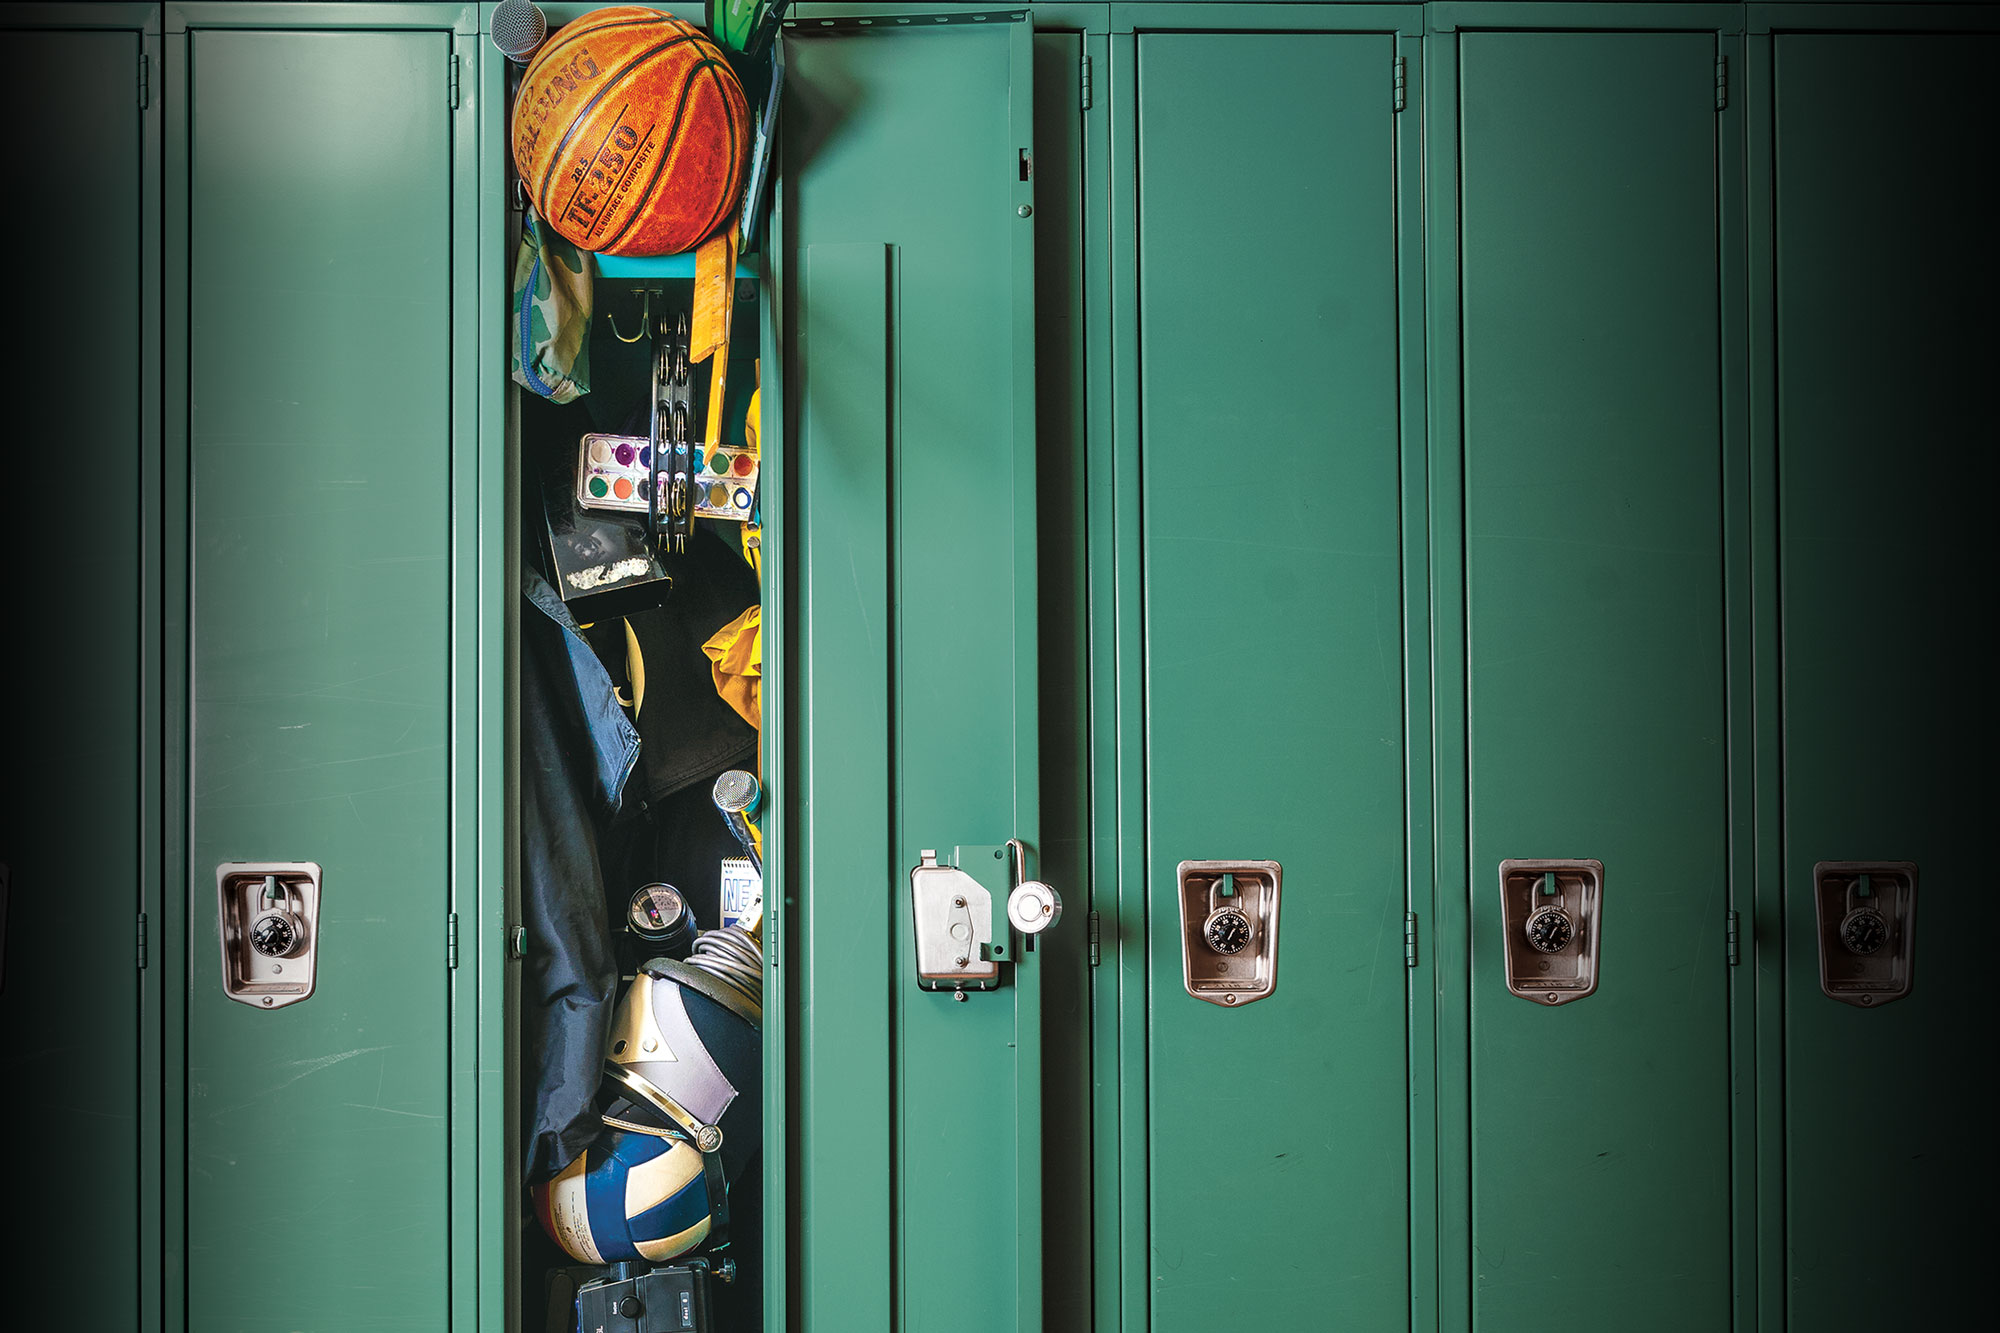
pixel 577 751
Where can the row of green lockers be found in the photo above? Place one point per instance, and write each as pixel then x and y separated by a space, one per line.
pixel 1384 441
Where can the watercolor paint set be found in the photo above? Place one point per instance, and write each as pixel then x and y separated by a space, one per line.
pixel 615 472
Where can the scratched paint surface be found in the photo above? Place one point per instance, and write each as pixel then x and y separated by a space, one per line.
pixel 319 438
pixel 1274 674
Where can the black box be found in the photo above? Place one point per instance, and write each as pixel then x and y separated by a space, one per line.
pixel 663 1300
pixel 600 562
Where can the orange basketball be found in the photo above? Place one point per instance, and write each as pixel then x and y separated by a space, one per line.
pixel 630 132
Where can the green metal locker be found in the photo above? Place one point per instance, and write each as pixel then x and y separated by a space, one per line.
pixel 1197 435
pixel 1885 280
pixel 318 419
pixel 1594 585
pixel 1276 1153
pixel 79 874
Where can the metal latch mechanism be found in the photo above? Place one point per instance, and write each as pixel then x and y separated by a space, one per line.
pixel 1867 916
pixel 1229 929
pixel 952 913
pixel 953 916
pixel 268 913
pixel 1549 912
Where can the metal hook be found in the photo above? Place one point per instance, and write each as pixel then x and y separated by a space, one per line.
pixel 645 320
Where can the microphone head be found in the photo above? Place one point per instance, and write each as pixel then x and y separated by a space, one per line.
pixel 519 29
pixel 736 792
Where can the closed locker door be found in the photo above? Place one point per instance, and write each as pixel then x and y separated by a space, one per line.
pixel 1593 462
pixel 72 867
pixel 318 426
pixel 1277 1146
pixel 1886 286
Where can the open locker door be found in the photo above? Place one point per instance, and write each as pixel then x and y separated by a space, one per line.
pixel 906 246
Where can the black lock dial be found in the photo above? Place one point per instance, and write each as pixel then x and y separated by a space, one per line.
pixel 1550 929
pixel 1864 931
pixel 1227 931
pixel 273 934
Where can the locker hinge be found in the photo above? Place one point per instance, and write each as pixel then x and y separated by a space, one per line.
pixel 451 939
pixel 1402 75
pixel 451 82
pixel 1721 82
pixel 1735 942
pixel 145 81
pixel 1409 939
pixel 1086 83
pixel 1096 954
pixel 142 941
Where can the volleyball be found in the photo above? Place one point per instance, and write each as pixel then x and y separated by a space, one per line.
pixel 631 132
pixel 627 1197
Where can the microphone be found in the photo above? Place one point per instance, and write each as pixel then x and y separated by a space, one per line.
pixel 519 29
pixel 736 795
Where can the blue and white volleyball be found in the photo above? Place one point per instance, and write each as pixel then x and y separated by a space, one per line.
pixel 628 1196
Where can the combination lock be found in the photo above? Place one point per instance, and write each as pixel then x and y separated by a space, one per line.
pixel 1864 931
pixel 1550 929
pixel 1227 929
pixel 278 930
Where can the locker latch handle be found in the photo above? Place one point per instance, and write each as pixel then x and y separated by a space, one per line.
pixel 952 917
pixel 1032 906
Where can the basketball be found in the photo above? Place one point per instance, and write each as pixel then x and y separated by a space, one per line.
pixel 631 132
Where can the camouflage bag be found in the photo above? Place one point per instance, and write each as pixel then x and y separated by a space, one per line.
pixel 551 333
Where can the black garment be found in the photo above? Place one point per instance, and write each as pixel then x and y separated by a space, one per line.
pixel 690 733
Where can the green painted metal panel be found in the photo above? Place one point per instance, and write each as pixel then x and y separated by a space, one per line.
pixel 1060 440
pixel 480 816
pixel 319 327
pixel 1593 549
pixel 1420 742
pixel 1119 719
pixel 842 948
pixel 1271 475
pixel 1450 937
pixel 1764 921
pixel 72 805
pixel 908 209
pixel 1886 281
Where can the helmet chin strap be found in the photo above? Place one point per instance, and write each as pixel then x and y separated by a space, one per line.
pixel 711 1172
